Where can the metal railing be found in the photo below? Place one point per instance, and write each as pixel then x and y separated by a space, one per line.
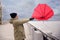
pixel 51 37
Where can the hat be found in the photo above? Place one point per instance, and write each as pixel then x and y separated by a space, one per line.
pixel 13 15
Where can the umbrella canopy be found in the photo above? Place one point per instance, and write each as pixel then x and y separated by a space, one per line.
pixel 42 12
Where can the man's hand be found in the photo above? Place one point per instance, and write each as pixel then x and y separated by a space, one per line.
pixel 31 19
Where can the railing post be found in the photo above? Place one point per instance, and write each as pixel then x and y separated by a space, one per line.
pixel 0 13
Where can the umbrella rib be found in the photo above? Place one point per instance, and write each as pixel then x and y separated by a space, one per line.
pixel 37 11
pixel 48 13
pixel 44 9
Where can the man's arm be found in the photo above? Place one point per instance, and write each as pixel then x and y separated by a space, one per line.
pixel 23 21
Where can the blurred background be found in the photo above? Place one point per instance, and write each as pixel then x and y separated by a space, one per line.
pixel 25 8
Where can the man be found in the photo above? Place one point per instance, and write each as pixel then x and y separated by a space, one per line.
pixel 18 26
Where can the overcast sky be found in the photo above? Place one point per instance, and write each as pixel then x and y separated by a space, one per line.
pixel 25 8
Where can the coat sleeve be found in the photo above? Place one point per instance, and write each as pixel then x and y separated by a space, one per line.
pixel 21 21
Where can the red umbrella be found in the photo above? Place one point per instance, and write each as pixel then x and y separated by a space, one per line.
pixel 42 12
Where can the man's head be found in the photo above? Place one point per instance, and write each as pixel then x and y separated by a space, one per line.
pixel 13 15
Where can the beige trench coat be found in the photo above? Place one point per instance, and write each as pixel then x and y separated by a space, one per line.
pixel 18 28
